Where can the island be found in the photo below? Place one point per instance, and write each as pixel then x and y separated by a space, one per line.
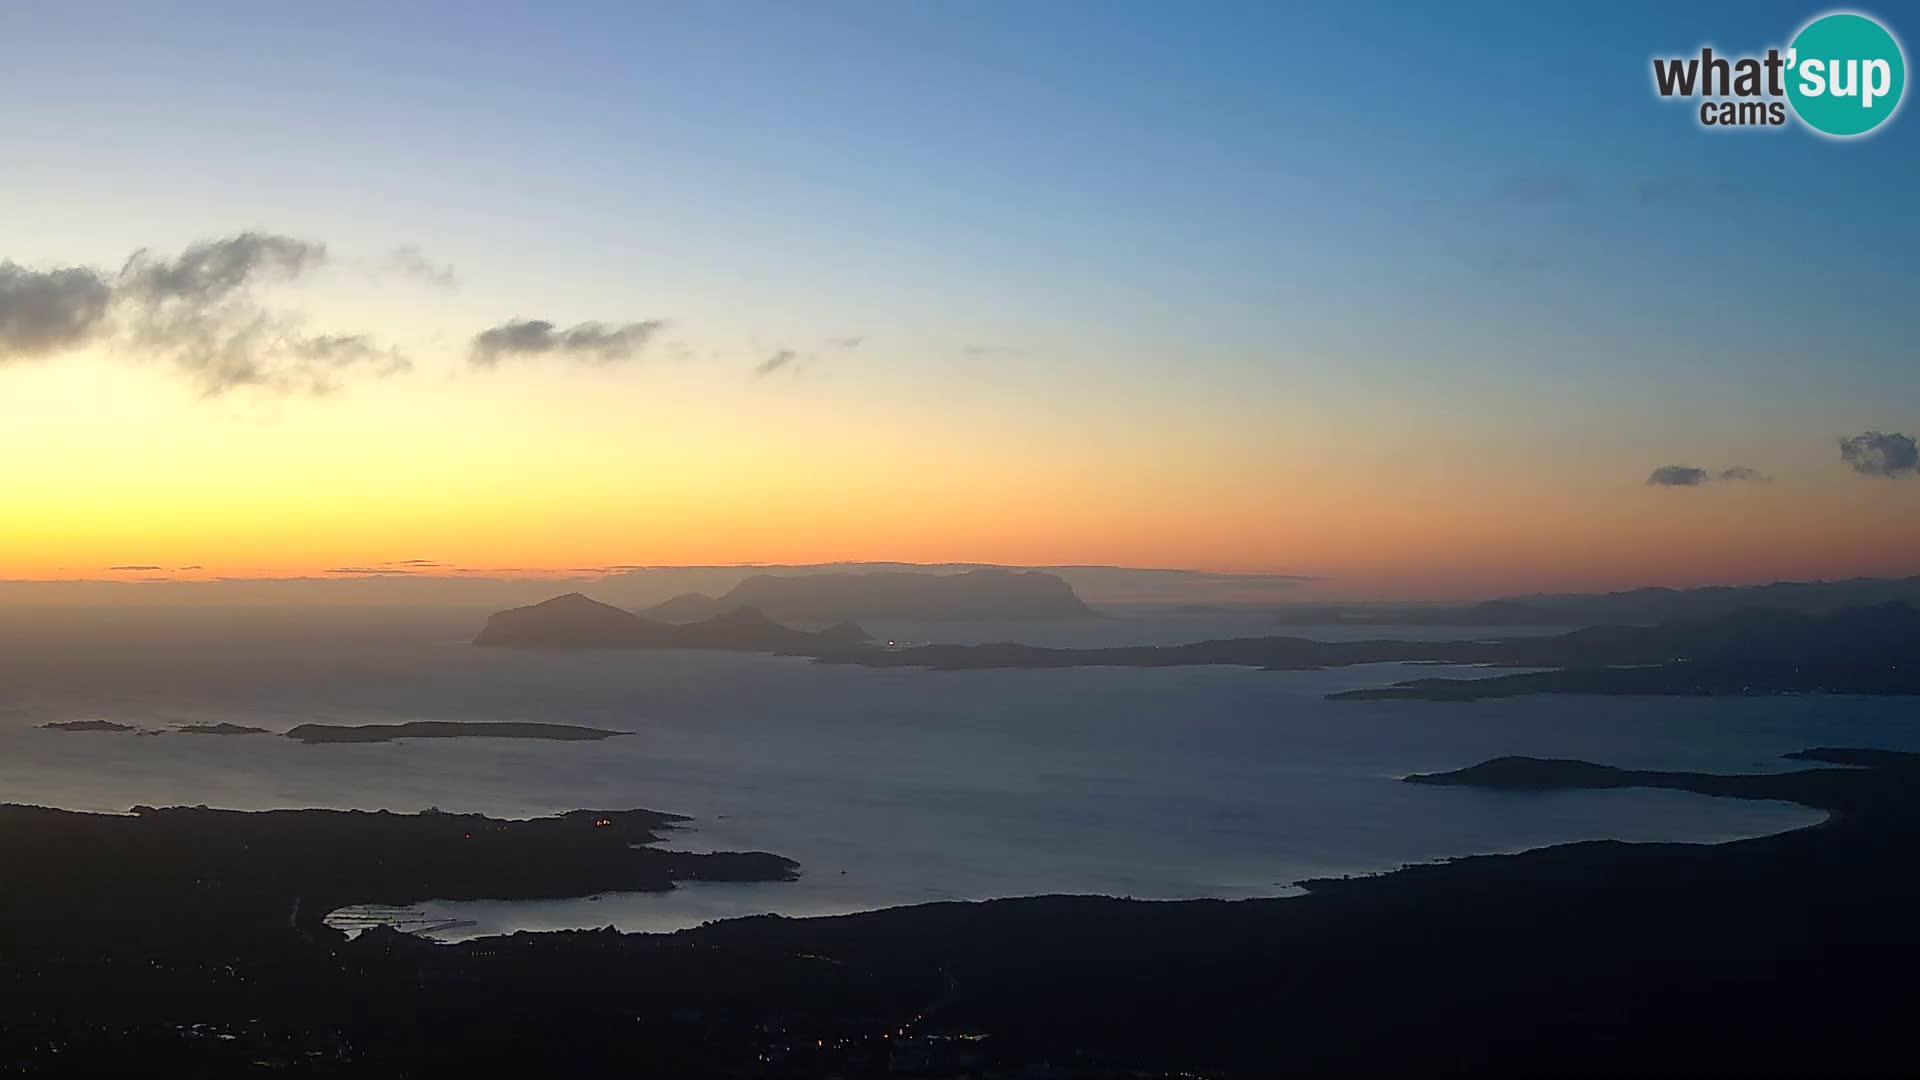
pixel 87 725
pixel 220 729
pixel 985 594
pixel 574 621
pixel 445 729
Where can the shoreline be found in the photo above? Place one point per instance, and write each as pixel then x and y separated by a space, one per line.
pixel 547 915
pixel 1594 957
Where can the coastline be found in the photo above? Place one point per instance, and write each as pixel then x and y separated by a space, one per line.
pixel 1643 956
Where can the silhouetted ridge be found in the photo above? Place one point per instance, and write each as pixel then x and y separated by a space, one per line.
pixel 1642 607
pixel 985 594
pixel 1867 650
pixel 574 621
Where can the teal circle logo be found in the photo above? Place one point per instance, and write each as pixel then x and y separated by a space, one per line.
pixel 1845 73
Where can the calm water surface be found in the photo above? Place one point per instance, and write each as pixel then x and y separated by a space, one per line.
pixel 889 786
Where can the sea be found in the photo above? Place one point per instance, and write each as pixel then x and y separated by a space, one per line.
pixel 889 786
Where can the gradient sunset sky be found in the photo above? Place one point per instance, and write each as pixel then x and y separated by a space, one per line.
pixel 1413 297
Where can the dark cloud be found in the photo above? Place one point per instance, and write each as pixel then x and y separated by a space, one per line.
pixel 587 343
pixel 136 566
pixel 1875 453
pixel 48 311
pixel 198 312
pixel 195 566
pixel 1677 476
pixel 773 363
pixel 1693 476
pixel 213 270
pixel 408 261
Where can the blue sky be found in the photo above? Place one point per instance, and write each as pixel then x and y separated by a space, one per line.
pixel 1443 221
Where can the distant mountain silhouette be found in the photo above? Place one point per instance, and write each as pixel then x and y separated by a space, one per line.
pixel 987 594
pixel 1864 650
pixel 1867 650
pixel 1634 606
pixel 571 621
pixel 1879 633
pixel 574 621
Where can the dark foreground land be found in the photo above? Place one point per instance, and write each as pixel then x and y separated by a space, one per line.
pixel 184 941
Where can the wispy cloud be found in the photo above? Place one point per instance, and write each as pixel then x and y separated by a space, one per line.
pixel 1743 473
pixel 1876 453
pixel 409 262
pixel 588 343
pixel 773 363
pixel 136 566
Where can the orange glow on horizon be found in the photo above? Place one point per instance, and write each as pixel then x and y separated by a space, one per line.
pixel 519 475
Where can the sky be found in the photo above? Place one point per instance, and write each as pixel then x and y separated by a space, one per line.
pixel 1424 300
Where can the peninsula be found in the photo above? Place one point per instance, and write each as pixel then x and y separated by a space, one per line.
pixel 1599 958
pixel 229 881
